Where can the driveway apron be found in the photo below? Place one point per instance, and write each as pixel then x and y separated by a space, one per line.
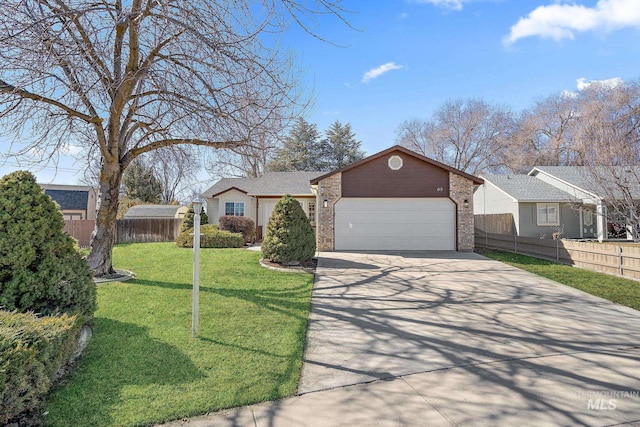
pixel 494 338
pixel 455 339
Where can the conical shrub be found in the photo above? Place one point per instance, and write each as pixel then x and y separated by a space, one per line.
pixel 289 235
pixel 40 268
pixel 187 220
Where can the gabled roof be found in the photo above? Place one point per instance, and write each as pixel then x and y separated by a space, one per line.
pixel 599 181
pixel 269 184
pixel 404 150
pixel 65 187
pixel 526 188
pixel 153 211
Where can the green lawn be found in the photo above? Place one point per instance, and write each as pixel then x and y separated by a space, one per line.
pixel 616 289
pixel 142 365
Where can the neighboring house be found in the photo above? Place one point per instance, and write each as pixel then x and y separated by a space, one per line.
pixel 538 209
pixel 75 201
pixel 550 199
pixel 255 198
pixel 156 211
pixel 393 200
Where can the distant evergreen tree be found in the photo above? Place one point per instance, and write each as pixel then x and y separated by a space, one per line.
pixel 187 220
pixel 289 235
pixel 340 147
pixel 141 184
pixel 301 150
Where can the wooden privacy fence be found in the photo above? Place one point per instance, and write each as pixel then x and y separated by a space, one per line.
pixel 607 257
pixel 128 230
pixel 494 223
pixel 80 230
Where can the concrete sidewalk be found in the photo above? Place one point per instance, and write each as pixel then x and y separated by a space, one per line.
pixel 455 339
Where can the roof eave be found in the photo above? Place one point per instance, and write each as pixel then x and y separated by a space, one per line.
pixel 565 182
pixel 225 191
pixel 474 179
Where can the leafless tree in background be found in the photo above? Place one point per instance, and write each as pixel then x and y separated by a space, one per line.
pixel 609 127
pixel 465 134
pixel 125 78
pixel 176 168
pixel 544 136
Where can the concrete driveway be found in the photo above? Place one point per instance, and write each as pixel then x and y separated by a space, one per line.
pixel 455 339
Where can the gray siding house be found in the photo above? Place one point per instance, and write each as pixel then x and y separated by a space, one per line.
pixel 538 209
pixel 553 199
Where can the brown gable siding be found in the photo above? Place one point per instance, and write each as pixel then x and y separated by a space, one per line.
pixel 416 178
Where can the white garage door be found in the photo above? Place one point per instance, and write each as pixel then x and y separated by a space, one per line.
pixel 395 224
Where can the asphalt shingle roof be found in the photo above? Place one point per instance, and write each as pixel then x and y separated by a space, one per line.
pixel 152 211
pixel 269 184
pixel 69 199
pixel 601 181
pixel 525 188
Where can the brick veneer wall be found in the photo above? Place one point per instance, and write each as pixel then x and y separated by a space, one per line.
pixel 329 189
pixel 461 188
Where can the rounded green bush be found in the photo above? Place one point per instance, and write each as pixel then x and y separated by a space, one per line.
pixel 211 237
pixel 32 351
pixel 239 224
pixel 40 267
pixel 289 235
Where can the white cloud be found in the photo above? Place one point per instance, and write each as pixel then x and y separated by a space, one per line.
pixel 582 84
pixel 72 150
pixel 378 71
pixel 562 21
pixel 446 4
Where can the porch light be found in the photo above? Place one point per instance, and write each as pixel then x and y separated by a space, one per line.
pixel 465 203
pixel 197 208
pixel 325 203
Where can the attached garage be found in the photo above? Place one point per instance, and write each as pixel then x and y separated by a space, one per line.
pixel 395 224
pixel 395 200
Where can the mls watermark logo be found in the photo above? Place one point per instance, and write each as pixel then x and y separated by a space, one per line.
pixel 601 404
pixel 607 400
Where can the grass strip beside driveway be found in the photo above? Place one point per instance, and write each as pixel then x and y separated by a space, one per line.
pixel 622 291
pixel 142 365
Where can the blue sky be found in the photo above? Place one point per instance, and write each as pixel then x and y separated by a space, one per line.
pixel 509 52
pixel 418 54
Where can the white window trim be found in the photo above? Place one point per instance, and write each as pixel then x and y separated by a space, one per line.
pixel 244 205
pixel 539 205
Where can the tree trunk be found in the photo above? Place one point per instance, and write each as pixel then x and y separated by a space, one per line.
pixel 104 235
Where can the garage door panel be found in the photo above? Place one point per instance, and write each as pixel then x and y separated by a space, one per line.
pixel 401 230
pixel 395 224
pixel 393 243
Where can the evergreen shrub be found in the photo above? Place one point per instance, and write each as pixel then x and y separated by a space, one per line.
pixel 289 235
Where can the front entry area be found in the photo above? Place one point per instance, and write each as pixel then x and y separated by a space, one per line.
pixel 380 224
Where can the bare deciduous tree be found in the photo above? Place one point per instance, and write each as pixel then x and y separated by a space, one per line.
pixel 125 78
pixel 609 128
pixel 176 168
pixel 465 134
pixel 544 136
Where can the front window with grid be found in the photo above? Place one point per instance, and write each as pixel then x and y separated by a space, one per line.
pixel 312 213
pixel 234 208
pixel 548 214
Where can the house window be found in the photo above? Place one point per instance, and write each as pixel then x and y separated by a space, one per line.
pixel 234 208
pixel 312 213
pixel 548 214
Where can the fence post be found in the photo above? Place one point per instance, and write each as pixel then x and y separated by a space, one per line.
pixel 515 243
pixel 620 269
pixel 558 249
